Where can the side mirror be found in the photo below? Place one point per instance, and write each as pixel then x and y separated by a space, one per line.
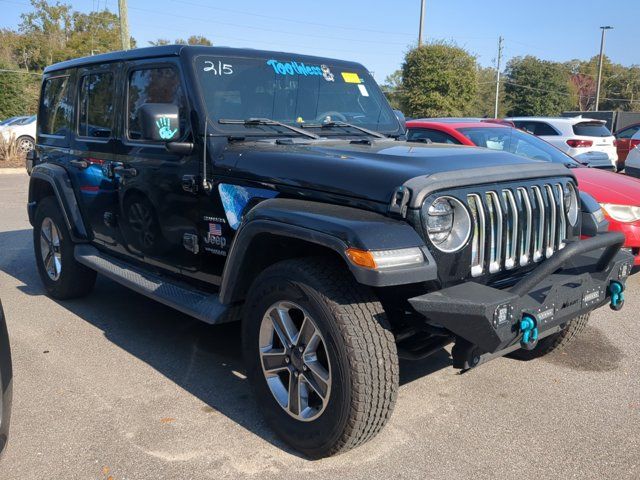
pixel 160 122
pixel 402 119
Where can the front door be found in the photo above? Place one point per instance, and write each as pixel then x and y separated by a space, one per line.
pixel 158 217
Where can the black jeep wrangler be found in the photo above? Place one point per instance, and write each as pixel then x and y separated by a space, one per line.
pixel 276 189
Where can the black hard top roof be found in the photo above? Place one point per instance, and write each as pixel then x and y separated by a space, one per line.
pixel 177 50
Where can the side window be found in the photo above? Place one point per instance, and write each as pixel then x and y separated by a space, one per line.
pixel 55 110
pixel 542 128
pixel 96 105
pixel 436 136
pixel 536 128
pixel 153 85
pixel 628 132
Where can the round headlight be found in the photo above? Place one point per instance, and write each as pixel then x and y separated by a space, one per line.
pixel 448 223
pixel 571 204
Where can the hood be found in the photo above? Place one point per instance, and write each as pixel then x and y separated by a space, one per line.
pixel 366 171
pixel 608 187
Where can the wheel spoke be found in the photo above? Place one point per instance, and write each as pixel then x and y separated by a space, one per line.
pixel 294 395
pixel 43 235
pixel 57 265
pixel 307 332
pixel 48 263
pixel 273 361
pixel 317 378
pixel 55 235
pixel 283 325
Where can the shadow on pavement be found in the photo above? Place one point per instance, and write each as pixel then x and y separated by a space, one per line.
pixel 205 360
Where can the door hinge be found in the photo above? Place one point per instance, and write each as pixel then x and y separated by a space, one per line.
pixel 399 201
pixel 189 183
pixel 190 242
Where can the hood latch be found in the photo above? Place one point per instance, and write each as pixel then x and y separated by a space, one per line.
pixel 399 201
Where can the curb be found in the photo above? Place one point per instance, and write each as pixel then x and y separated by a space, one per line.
pixel 12 171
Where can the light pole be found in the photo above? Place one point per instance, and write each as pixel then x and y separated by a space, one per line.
pixel 421 22
pixel 124 25
pixel 600 61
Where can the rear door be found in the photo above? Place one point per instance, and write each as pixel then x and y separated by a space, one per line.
pixel 624 139
pixel 157 215
pixel 93 143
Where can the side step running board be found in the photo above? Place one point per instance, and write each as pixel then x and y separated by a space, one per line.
pixel 201 305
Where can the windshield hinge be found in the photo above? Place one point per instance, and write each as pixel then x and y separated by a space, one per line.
pixel 399 201
pixel 190 243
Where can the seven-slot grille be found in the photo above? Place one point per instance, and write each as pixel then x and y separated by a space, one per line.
pixel 516 226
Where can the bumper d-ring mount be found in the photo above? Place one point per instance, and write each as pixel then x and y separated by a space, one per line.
pixel 529 331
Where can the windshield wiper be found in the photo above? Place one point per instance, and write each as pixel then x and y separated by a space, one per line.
pixel 249 122
pixel 343 124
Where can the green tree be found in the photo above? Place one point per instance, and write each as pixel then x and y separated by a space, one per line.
pixel 439 79
pixel 18 91
pixel 392 89
pixel 192 40
pixel 538 87
pixel 483 104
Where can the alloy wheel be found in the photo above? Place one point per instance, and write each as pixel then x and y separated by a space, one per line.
pixel 25 145
pixel 295 361
pixel 50 249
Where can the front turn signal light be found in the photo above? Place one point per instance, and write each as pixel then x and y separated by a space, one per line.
pixel 384 259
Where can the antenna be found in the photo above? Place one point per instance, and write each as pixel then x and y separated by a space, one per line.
pixel 206 184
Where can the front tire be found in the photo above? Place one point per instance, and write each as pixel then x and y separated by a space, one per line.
pixel 62 276
pixel 555 341
pixel 310 332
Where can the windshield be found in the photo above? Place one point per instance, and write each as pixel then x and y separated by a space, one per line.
pixel 293 92
pixel 516 141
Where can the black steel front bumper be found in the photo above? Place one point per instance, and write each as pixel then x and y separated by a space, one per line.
pixel 575 280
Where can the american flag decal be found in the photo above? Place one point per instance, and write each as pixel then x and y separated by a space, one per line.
pixel 215 230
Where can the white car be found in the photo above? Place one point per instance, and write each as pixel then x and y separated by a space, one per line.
pixel 632 166
pixel 24 131
pixel 584 139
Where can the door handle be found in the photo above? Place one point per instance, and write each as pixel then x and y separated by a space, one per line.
pixel 78 163
pixel 124 171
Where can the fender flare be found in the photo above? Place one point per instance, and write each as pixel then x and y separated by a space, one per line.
pixel 334 227
pixel 59 181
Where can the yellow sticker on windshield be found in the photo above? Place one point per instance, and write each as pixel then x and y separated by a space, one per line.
pixel 350 77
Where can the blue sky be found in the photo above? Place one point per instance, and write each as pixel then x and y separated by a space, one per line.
pixel 378 33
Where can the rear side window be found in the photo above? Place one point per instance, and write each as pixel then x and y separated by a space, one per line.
pixel 537 128
pixel 153 85
pixel 435 136
pixel 96 105
pixel 628 132
pixel 56 109
pixel 591 129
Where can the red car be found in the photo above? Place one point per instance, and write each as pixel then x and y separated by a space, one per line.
pixel 619 195
pixel 626 140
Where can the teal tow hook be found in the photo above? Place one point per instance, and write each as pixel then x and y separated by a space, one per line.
pixel 616 290
pixel 529 330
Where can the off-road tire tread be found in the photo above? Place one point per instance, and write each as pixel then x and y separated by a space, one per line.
pixel 76 279
pixel 370 344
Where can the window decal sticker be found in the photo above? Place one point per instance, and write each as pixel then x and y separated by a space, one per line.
pixel 164 128
pixel 218 68
pixel 350 77
pixel 299 68
pixel 363 90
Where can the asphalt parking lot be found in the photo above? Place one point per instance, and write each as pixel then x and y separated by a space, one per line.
pixel 116 386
